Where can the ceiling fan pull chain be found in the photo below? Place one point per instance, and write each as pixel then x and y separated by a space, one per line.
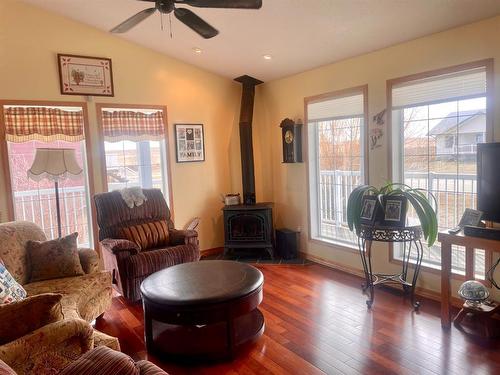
pixel 161 21
pixel 170 21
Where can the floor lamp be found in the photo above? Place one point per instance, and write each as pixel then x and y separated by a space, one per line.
pixel 55 164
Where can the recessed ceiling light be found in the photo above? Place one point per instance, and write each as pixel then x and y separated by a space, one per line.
pixel 197 50
pixel 267 57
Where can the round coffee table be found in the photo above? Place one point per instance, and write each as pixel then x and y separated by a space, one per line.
pixel 205 310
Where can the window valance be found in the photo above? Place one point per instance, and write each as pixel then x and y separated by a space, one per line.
pixel 43 124
pixel 132 126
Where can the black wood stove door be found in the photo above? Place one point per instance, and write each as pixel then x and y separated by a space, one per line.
pixel 247 227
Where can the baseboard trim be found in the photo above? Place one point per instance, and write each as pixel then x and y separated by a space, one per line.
pixel 213 251
pixel 422 292
pixel 331 264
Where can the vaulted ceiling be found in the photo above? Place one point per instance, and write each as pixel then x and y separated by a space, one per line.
pixel 298 34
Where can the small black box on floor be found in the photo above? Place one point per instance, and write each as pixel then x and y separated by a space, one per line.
pixel 287 243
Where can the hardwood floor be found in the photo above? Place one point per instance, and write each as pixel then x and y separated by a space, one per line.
pixel 317 322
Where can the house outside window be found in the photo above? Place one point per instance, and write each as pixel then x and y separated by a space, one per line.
pixel 336 127
pixel 135 147
pixel 437 122
pixel 29 127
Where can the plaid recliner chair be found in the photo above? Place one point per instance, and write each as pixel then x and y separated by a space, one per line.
pixel 139 241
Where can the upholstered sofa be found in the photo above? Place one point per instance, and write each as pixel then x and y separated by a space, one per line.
pixel 36 339
pixel 83 297
pixel 42 342
pixel 100 361
pixel 130 263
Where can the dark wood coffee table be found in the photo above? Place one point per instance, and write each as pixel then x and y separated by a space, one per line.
pixel 204 310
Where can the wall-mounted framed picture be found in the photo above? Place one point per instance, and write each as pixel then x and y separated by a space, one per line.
pixel 85 75
pixel 189 143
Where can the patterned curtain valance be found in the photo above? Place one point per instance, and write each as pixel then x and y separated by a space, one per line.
pixel 132 126
pixel 43 124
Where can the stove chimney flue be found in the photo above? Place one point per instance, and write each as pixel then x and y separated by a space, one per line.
pixel 246 143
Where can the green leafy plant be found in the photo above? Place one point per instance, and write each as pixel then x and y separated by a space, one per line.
pixel 417 197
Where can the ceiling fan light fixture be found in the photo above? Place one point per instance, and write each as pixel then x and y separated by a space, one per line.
pixel 197 50
pixel 186 16
pixel 267 57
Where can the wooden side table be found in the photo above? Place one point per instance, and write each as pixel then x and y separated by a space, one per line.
pixel 470 243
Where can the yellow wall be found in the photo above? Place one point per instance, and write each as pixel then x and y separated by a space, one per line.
pixel 30 38
pixel 285 98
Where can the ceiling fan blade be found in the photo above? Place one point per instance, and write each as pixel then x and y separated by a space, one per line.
pixel 197 24
pixel 241 4
pixel 132 21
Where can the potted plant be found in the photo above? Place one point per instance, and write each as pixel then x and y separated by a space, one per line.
pixel 416 197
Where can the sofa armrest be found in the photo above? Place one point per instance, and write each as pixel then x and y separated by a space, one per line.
pixel 116 246
pixel 89 260
pixel 50 347
pixel 103 360
pixel 183 237
pixel 5 369
pixel 149 368
pixel 28 315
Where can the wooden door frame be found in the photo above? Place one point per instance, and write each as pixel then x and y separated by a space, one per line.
pixel 99 107
pixel 88 151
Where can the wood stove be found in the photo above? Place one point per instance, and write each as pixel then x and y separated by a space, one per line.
pixel 248 225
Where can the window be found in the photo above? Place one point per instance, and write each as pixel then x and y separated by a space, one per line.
pixel 336 126
pixel 437 122
pixel 135 148
pixel 28 128
pixel 449 141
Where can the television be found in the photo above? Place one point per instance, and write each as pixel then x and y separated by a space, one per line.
pixel 488 180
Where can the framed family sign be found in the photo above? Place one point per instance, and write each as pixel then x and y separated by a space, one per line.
pixel 189 143
pixel 85 75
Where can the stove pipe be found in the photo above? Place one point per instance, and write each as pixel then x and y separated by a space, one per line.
pixel 246 144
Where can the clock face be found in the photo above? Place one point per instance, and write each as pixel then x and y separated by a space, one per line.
pixel 289 136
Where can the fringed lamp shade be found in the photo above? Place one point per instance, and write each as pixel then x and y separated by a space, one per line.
pixel 54 164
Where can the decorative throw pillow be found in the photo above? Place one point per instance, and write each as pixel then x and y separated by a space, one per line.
pixel 54 259
pixel 10 289
pixel 148 235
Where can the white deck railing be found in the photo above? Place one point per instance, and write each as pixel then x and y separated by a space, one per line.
pixel 39 206
pixel 453 195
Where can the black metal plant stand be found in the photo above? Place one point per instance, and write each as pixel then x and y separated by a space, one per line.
pixel 409 237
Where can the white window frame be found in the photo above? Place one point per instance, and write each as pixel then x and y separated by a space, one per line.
pixel 314 210
pixel 87 162
pixel 164 145
pixel 395 145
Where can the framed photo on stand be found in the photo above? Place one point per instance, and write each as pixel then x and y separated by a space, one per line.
pixel 395 211
pixel 369 210
pixel 189 143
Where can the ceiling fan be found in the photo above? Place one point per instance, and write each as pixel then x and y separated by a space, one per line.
pixel 186 16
